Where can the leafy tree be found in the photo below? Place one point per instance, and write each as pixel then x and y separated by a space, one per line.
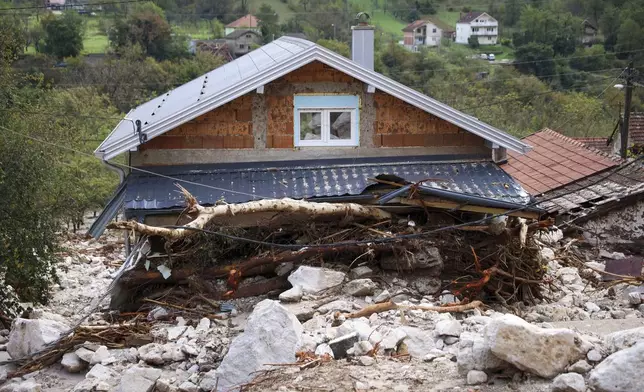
pixel 512 12
pixel 473 42
pixel 12 41
pixel 268 22
pixel 146 26
pixel 558 29
pixel 609 25
pixel 536 59
pixel 63 35
pixel 340 48
pixel 630 37
pixel 217 28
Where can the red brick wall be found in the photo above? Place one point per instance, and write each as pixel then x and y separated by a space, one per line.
pixel 399 124
pixel 228 126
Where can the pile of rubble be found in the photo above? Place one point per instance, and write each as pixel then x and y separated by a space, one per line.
pixel 367 328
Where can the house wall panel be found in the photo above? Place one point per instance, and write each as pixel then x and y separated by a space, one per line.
pixel 264 122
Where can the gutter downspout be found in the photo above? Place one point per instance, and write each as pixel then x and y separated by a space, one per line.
pixel 121 174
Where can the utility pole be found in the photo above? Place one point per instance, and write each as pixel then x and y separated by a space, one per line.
pixel 623 137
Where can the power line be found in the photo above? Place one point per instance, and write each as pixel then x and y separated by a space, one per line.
pixel 254 196
pixel 71 7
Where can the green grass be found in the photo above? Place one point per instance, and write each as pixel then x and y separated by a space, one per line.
pixel 194 30
pixel 449 17
pixel 94 41
pixel 388 23
pixel 280 8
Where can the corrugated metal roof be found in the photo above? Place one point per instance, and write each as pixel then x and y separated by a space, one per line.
pixel 109 212
pixel 262 66
pixel 306 179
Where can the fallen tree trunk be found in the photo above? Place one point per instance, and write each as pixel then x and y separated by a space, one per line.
pixel 206 214
pixel 390 305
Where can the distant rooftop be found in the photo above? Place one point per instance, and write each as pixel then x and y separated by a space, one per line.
pixel 248 21
pixel 470 16
pixel 439 23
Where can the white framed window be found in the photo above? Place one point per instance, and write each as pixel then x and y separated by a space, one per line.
pixel 326 120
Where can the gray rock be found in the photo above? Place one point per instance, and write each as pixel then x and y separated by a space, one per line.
pixel 85 354
pixel 569 382
pixel 393 338
pixel 31 335
pixel 449 340
pixel 152 354
pixel 164 385
pixel 366 360
pixel 284 268
pixel 294 294
pixel 448 328
pixel 139 379
pixel 594 355
pixel 475 377
pixel 3 374
pixel 447 298
pixel 550 350
pixel 158 313
pixel 341 345
pixel 72 363
pixel 581 367
pixel 591 307
pixel 272 335
pixel 382 297
pixel 474 354
pixel 624 339
pixel 187 386
pixel 22 386
pixel 204 324
pixel 100 372
pixel 618 314
pixel 100 355
pixel 361 348
pixel 177 332
pixel 620 372
pixel 360 287
pixel 419 342
pixel 634 298
pixel 172 353
pixel 209 381
pixel 547 254
pixel 314 280
pixel 323 349
pixel 336 306
pixel 360 272
pixel 426 285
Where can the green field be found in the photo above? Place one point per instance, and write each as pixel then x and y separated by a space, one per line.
pixel 448 17
pixel 94 41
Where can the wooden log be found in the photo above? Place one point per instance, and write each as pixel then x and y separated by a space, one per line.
pixel 253 266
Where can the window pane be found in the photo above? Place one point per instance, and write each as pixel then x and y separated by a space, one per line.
pixel 311 126
pixel 340 125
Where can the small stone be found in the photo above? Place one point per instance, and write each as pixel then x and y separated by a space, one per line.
pixel 175 333
pixel 204 324
pixel 447 298
pixel 475 377
pixel 360 272
pixel 594 355
pixel 341 345
pixel 382 297
pixel 100 372
pixel 181 322
pixel 284 268
pixel 361 386
pixel 152 354
pixel 547 254
pixel 139 379
pixel 294 294
pixel 366 360
pixel 361 348
pixel 360 287
pixel 426 285
pixel 187 386
pixel 72 363
pixel 618 314
pixel 581 367
pixel 591 307
pixel 85 354
pixel 101 354
pixel 158 313
pixel 448 328
pixel 449 340
pixel 569 382
pixel 314 280
pixel 634 298
pixel 323 349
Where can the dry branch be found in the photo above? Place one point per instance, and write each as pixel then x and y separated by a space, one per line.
pixel 390 305
pixel 206 214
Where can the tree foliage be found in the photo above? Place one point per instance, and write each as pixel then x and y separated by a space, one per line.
pixel 63 35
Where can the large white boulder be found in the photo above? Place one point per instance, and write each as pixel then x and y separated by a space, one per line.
pixel 272 335
pixel 620 372
pixel 32 335
pixel 139 379
pixel 544 352
pixel 312 280
pixel 624 339
pixel 569 382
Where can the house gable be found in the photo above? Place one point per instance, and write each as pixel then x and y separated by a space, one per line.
pixel 258 69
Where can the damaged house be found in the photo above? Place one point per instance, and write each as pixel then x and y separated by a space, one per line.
pixel 294 120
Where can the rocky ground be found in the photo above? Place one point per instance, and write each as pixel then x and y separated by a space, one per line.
pixel 581 339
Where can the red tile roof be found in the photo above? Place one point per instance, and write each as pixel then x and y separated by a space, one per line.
pixel 555 161
pixel 636 128
pixel 245 22
pixel 598 143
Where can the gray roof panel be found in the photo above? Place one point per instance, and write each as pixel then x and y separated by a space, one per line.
pixel 262 66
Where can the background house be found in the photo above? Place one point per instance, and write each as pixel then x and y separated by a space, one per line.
pixel 247 22
pixel 426 32
pixel 241 41
pixel 480 25
pixel 589 33
pixel 611 144
pixel 294 119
